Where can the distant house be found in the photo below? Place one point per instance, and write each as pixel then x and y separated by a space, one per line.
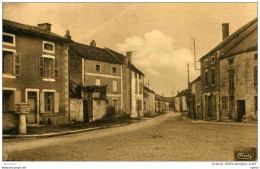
pixel 171 102
pixel 238 74
pixel 195 101
pixel 35 71
pixel 94 66
pixel 149 101
pixel 181 101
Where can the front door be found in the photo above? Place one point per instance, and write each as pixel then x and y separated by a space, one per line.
pixel 115 104
pixel 241 111
pixel 32 115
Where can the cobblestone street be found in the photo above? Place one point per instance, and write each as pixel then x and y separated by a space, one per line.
pixel 165 138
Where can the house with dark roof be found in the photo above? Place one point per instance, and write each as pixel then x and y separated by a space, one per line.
pixel 181 100
pixel 35 71
pixel 210 71
pixel 94 66
pixel 195 98
pixel 149 101
pixel 238 75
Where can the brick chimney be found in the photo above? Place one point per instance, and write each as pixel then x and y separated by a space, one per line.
pixel 45 26
pixel 93 43
pixel 67 36
pixel 129 56
pixel 225 30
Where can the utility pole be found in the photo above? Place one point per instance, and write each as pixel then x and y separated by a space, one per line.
pixel 188 75
pixel 194 53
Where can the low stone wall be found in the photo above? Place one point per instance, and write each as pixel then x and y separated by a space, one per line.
pixel 76 110
pixel 99 109
pixel 10 121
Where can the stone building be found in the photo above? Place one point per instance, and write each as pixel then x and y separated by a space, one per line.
pixel 149 101
pixel 195 104
pixel 238 75
pixel 35 71
pixel 181 100
pixel 210 72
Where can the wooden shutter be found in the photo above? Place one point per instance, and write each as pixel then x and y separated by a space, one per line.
pixel 56 102
pixel 42 102
pixel 17 64
pixel 41 67
pixel 56 69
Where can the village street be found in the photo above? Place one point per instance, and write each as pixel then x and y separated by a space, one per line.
pixel 169 137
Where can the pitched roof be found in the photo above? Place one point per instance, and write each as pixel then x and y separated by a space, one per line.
pixel 15 27
pixel 183 93
pixel 169 99
pixel 146 88
pixel 92 53
pixel 120 57
pixel 197 79
pixel 230 38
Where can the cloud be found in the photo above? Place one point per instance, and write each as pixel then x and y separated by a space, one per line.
pixel 156 51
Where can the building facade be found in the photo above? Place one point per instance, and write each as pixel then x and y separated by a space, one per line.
pixel 238 77
pixel 195 105
pixel 35 71
pixel 149 101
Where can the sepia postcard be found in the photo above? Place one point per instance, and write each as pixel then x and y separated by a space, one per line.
pixel 129 82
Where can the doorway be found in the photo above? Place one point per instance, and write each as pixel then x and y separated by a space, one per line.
pixel 32 101
pixel 241 109
pixel 85 111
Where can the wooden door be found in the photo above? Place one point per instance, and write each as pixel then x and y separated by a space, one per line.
pixel 32 115
pixel 241 111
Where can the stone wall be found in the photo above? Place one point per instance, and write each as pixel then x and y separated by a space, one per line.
pixel 76 110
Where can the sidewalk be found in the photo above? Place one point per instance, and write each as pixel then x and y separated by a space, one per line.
pixel 51 131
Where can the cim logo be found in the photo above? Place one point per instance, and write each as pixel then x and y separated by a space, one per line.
pixel 245 154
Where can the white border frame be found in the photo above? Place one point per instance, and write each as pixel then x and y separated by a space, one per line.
pixel 10 44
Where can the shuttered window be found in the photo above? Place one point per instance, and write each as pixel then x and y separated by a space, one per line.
pixel 49 102
pixel 11 63
pixel 17 64
pixel 48 67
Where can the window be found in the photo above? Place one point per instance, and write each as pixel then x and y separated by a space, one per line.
pixel 97 82
pixel 48 67
pixel 213 59
pixel 230 61
pixel 206 79
pixel 8 101
pixel 224 103
pixel 206 63
pixel 8 39
pixel 48 47
pixel 114 69
pixel 231 75
pixel 255 56
pixel 140 77
pixel 255 105
pixel 114 86
pixel 140 88
pixel 48 101
pixel 11 63
pixel 255 76
pixel 98 68
pixel 213 76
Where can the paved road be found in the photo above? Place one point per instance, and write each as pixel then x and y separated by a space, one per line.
pixel 164 138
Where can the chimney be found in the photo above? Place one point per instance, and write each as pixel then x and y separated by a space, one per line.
pixel 225 30
pixel 93 43
pixel 45 26
pixel 67 36
pixel 129 56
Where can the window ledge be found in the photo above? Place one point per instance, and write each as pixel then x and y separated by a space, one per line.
pixel 48 80
pixel 9 76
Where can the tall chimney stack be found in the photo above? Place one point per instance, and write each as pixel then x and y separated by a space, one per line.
pixel 129 55
pixel 45 26
pixel 225 30
pixel 67 36
pixel 93 43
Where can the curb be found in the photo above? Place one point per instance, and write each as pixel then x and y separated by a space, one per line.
pixel 61 133
pixel 219 122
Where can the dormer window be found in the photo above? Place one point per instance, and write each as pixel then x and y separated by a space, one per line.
pixel 8 39
pixel 206 63
pixel 48 47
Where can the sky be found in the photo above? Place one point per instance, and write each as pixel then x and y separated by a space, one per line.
pixel 160 35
